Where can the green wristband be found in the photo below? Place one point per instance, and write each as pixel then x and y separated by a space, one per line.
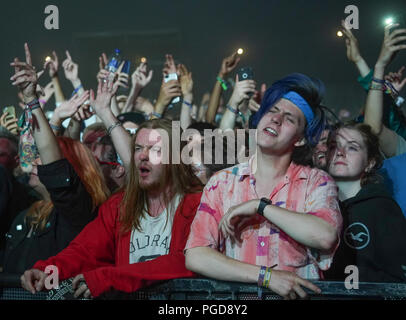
pixel 223 83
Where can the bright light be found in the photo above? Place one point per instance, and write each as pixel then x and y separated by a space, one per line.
pixel 240 51
pixel 47 59
pixel 143 60
pixel 339 34
pixel 388 21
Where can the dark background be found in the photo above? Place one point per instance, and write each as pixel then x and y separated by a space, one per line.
pixel 279 37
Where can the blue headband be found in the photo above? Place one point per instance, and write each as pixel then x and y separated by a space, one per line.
pixel 302 104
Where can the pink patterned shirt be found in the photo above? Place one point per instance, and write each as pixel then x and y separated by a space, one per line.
pixel 303 189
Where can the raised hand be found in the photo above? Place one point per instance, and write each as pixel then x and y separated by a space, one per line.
pixel 169 90
pixel 228 64
pixel 103 73
pixel 68 108
pixel 53 65
pixel 396 79
pixel 141 77
pixel 390 45
pixel 351 42
pixel 241 92
pixel 120 79
pixel 25 76
pixel 105 92
pixel 103 61
pixel 186 80
pixel 70 68
pixel 169 65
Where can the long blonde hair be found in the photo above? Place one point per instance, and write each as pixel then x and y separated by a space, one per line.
pixel 179 177
pixel 89 172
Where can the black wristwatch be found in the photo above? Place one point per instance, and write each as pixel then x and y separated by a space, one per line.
pixel 262 204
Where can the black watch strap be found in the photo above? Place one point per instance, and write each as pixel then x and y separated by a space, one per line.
pixel 262 204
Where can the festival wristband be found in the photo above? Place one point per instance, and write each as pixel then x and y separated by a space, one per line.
pixel 223 83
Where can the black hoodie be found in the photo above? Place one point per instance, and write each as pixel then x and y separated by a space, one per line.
pixel 373 238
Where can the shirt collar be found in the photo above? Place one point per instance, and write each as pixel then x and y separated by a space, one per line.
pixel 294 172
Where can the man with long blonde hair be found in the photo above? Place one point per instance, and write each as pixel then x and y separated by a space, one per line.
pixel 140 232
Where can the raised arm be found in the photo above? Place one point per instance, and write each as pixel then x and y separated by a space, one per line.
pixel 53 73
pixel 228 64
pixel 25 78
pixel 239 96
pixel 140 78
pixel 353 52
pixel 186 83
pixel 66 110
pixel 374 103
pixel 71 70
pixel 101 104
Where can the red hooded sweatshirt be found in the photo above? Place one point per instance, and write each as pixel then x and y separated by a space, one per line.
pixel 101 252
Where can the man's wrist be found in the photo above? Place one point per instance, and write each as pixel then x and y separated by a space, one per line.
pixel 263 203
pixel 28 99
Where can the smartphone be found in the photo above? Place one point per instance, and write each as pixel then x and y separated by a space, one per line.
pixel 126 69
pixel 246 73
pixel 169 77
pixel 10 110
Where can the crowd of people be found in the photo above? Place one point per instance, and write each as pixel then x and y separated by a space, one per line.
pixel 269 188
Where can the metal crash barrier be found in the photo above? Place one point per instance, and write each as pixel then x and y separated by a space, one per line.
pixel 207 289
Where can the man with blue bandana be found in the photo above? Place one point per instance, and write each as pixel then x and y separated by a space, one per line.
pixel 273 220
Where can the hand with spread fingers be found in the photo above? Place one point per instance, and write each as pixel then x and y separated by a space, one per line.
pixel 101 103
pixel 68 108
pixel 80 286
pixel 25 76
pixel 141 77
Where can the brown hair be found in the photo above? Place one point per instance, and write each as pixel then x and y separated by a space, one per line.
pixel 179 177
pixel 373 150
pixel 89 172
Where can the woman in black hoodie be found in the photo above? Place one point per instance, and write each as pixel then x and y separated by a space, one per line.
pixel 374 228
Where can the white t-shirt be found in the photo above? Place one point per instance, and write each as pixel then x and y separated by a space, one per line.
pixel 154 239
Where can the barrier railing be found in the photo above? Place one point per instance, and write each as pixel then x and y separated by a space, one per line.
pixel 207 289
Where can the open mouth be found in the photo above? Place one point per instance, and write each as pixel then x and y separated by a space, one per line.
pixel 271 131
pixel 321 156
pixel 144 171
